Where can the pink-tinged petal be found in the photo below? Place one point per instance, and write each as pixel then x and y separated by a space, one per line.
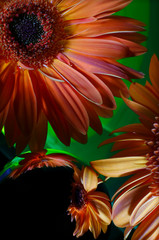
pixel 38 137
pixel 78 22
pixel 25 103
pixel 110 25
pixel 116 85
pixel 142 95
pixel 109 47
pixel 135 49
pixel 89 179
pixel 148 229
pixel 7 82
pixel 124 205
pixel 140 109
pixel 154 72
pixel 144 208
pixel 130 73
pixel 95 65
pixel 70 105
pixel 116 167
pixel 91 8
pixel 127 231
pixel 78 81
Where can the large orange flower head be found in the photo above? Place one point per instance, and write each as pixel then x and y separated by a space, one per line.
pixel 90 208
pixel 58 64
pixel 138 199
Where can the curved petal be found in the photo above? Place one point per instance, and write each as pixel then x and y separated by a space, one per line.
pixel 91 8
pixel 89 179
pixel 142 95
pixel 116 167
pixel 25 103
pixel 148 229
pixel 125 204
pixel 78 81
pixel 144 208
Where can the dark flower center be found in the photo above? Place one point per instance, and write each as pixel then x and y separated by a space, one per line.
pixel 31 32
pixel 153 158
pixel 78 196
pixel 26 29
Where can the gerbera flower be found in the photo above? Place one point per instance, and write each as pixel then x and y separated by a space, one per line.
pixel 58 64
pixel 46 158
pixel 138 199
pixel 90 208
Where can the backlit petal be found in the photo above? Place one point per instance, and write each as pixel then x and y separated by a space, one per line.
pixel 89 179
pixel 116 167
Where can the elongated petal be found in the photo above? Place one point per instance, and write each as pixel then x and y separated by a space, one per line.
pixel 143 96
pixel 113 24
pixel 25 104
pixel 123 207
pixel 89 179
pixel 92 7
pixel 7 82
pixel 98 47
pixel 78 81
pixel 38 138
pixel 148 229
pixel 154 71
pixel 144 208
pixel 140 109
pixel 116 167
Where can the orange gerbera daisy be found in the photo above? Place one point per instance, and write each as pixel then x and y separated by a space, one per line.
pixel 90 208
pixel 29 161
pixel 58 64
pixel 138 199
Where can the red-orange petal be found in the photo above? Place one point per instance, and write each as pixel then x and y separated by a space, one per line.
pixel 25 103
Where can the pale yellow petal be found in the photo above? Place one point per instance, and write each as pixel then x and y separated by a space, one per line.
pixel 116 167
pixel 89 179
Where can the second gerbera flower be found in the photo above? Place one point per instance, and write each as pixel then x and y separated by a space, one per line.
pixel 66 72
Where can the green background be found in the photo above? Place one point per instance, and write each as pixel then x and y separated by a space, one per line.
pixel 147 12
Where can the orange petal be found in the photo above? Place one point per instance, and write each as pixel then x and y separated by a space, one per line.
pixel 144 208
pixel 89 179
pixel 140 109
pixel 142 95
pixel 154 72
pixel 78 81
pixel 91 8
pixel 7 82
pixel 69 103
pixel 116 167
pixel 110 47
pixel 25 104
pixel 148 229
pixel 113 24
pixel 94 64
pixel 38 138
pixel 123 206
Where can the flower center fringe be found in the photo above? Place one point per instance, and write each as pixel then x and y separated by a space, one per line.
pixel 31 32
pixel 153 158
pixel 78 196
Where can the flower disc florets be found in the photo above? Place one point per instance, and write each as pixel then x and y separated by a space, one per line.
pixel 31 32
